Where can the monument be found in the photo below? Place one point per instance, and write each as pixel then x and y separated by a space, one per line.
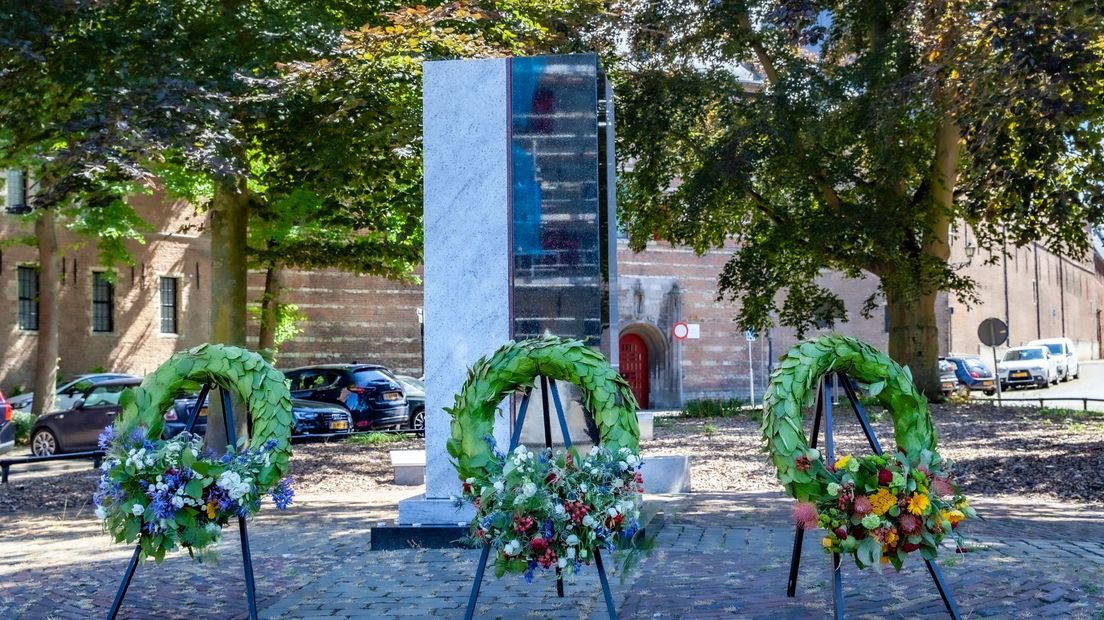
pixel 520 230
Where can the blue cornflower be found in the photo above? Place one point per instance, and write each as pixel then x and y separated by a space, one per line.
pixel 162 507
pixel 138 435
pixel 630 531
pixel 529 571
pixel 106 437
pixel 148 445
pixel 282 494
pixel 578 566
pixel 548 528
pixel 271 444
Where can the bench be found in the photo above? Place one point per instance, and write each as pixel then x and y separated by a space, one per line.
pixel 409 466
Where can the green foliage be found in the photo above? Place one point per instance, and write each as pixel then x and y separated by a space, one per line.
pixel 514 367
pixel 375 439
pixel 260 386
pixel 715 408
pixel 793 386
pixel 855 135
pixel 23 420
pixel 709 430
pixel 289 321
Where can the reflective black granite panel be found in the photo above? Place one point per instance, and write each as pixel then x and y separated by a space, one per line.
pixel 560 285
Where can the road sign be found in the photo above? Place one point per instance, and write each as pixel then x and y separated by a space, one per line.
pixel 992 332
pixel 749 335
pixel 693 331
pixel 680 330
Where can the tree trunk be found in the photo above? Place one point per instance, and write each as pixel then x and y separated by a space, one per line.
pixel 229 221
pixel 270 306
pixel 914 339
pixel 49 285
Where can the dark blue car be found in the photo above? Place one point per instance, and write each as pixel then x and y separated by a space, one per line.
pixel 974 374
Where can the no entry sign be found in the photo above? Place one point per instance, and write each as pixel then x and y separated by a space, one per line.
pixel 680 330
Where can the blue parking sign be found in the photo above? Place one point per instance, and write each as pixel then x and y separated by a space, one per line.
pixel 749 335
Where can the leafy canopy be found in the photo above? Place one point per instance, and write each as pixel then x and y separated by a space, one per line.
pixel 852 134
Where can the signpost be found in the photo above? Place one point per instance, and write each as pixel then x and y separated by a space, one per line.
pixel 749 335
pixel 993 332
pixel 680 330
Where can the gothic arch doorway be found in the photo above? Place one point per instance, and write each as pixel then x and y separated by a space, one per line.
pixel 634 366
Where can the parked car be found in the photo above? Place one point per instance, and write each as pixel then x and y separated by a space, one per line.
pixel 76 429
pixel 371 393
pixel 7 426
pixel 69 391
pixel 947 378
pixel 1065 352
pixel 308 417
pixel 415 399
pixel 1023 366
pixel 973 374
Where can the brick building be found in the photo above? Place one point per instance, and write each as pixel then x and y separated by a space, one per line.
pixel 355 318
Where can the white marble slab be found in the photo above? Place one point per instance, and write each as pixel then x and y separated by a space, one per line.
pixel 467 271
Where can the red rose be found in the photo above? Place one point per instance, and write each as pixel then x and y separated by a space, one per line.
pixel 910 547
pixel 885 477
pixel 538 545
pixel 841 532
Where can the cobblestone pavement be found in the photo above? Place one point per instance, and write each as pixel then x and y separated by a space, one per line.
pixel 714 556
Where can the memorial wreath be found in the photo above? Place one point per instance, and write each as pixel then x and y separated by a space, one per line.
pixel 171 493
pixel 877 508
pixel 548 509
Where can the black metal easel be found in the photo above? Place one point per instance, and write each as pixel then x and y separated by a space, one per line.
pixel 247 558
pixel 824 407
pixel 546 386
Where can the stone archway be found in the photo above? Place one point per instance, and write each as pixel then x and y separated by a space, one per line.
pixel 652 370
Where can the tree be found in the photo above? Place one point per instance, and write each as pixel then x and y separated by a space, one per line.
pixel 855 135
pixel 73 156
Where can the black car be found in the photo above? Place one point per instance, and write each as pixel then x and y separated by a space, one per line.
pixel 415 398
pixel 7 426
pixel 369 392
pixel 78 428
pixel 308 418
pixel 974 374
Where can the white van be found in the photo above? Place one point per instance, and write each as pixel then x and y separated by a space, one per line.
pixel 1063 349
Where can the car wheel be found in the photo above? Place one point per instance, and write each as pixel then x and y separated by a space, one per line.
pixel 990 392
pixel 417 422
pixel 44 443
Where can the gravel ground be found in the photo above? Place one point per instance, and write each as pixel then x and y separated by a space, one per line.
pixel 998 451
pixel 1011 451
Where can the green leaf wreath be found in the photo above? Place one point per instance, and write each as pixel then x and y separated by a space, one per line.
pixel 548 509
pixel 606 395
pixel 170 493
pixel 876 508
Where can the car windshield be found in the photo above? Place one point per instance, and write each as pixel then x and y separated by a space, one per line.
pixel 1018 355
pixel 945 366
pixel 369 375
pixel 978 366
pixel 1055 348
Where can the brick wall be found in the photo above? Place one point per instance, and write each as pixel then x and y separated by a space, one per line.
pixel 136 344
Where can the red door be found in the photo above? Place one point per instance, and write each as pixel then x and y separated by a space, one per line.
pixel 634 366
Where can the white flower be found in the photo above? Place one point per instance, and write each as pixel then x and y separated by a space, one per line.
pixel 632 459
pixel 178 501
pixel 573 540
pixel 593 451
pixel 622 465
pixel 499 486
pixel 529 489
pixel 235 486
pixel 562 563
pixel 588 521
pixel 612 512
pixel 512 548
pixel 571 553
pixel 101 513
pixel 583 487
pixel 559 509
pixel 137 510
pixel 582 553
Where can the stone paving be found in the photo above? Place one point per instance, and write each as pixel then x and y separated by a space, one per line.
pixel 714 556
